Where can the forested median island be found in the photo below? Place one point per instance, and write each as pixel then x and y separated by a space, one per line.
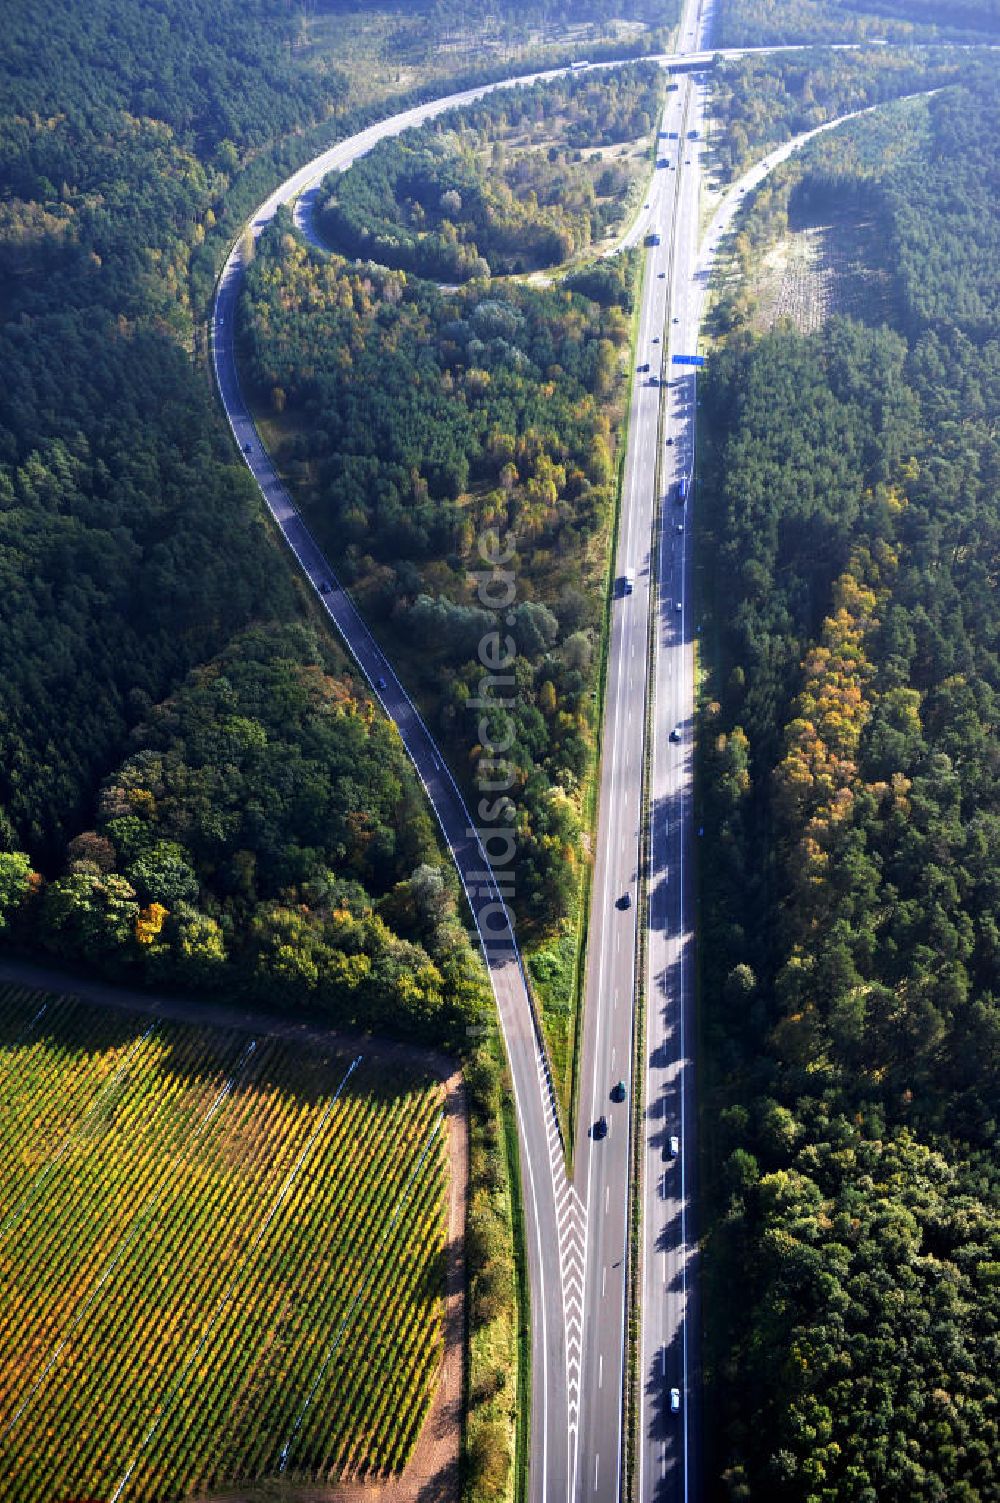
pixel 517 182
pixel 850 950
pixel 425 433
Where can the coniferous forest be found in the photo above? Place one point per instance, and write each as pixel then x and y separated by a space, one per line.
pixel 851 966
pixel 193 791
pixel 197 793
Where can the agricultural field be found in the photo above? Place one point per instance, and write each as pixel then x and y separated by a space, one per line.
pixel 221 1258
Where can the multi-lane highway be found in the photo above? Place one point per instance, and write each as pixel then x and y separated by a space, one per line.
pixel 577 1233
pixel 669 1459
pixel 603 1158
pixel 669 1393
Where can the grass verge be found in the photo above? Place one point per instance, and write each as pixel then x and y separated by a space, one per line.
pixel 497 1408
pixel 523 1421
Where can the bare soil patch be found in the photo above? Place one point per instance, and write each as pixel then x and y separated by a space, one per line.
pixel 817 270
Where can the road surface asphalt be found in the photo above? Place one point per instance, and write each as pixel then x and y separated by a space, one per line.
pixel 662 406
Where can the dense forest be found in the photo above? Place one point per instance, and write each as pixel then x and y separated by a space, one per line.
pixel 511 184
pixel 759 102
pixel 419 426
pixel 850 787
pixel 139 572
pixel 267 834
pixel 415 423
pixel 754 23
pixel 132 546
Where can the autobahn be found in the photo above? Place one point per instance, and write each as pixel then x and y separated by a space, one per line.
pixel 577 1243
pixel 617 908
pixel 669 1451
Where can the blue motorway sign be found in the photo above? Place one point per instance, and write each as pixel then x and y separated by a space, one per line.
pixel 687 360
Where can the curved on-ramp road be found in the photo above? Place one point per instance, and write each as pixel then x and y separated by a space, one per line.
pixel 553 1213
pixel 565 1313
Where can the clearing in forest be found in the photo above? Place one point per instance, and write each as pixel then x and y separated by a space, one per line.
pixel 819 269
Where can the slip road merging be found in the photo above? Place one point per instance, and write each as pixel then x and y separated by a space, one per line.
pixel 576 1248
pixel 554 1215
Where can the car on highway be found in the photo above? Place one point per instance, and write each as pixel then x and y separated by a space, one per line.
pixel 679 527
pixel 679 606
pixel 625 901
pixel 656 339
pixel 661 275
pixel 675 734
pixel 248 448
pixel 674 1146
pixel 675 1401
pixel 669 442
pixel 618 1092
pixel 380 683
pixel 643 367
pixel 601 1127
pixel 325 587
